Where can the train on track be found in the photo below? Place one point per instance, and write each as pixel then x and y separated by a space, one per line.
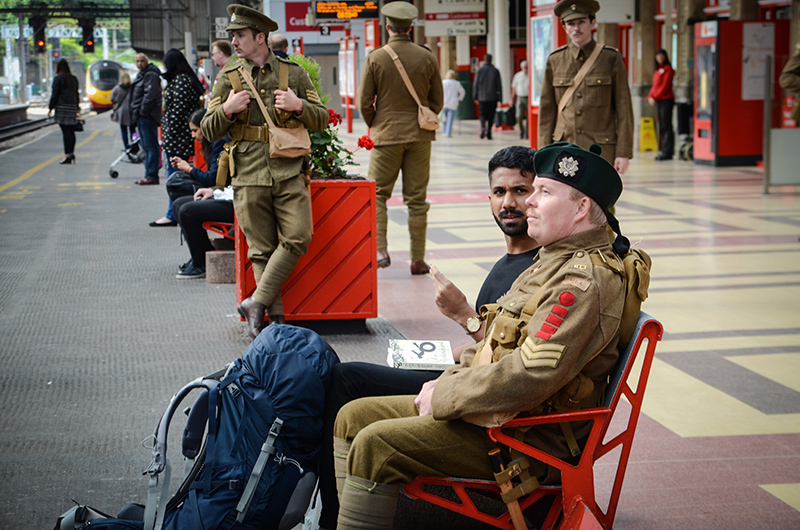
pixel 101 78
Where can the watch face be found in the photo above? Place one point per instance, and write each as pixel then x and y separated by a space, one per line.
pixel 473 325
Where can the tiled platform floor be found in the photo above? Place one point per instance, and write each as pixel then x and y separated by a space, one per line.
pixel 96 334
pixel 719 445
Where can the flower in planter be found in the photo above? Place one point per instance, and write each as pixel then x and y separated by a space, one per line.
pixel 329 156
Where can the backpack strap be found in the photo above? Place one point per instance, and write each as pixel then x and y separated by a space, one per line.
pixel 283 76
pixel 236 83
pixel 267 449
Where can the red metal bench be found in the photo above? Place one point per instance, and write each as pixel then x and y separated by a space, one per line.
pixel 577 487
pixel 219 228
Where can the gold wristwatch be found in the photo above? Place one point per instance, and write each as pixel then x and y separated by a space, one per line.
pixel 474 324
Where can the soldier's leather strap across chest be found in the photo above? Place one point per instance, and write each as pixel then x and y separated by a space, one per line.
pixel 579 77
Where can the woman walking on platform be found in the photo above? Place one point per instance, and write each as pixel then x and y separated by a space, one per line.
pixel 64 100
pixel 662 98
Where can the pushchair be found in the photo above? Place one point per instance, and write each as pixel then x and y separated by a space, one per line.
pixel 134 154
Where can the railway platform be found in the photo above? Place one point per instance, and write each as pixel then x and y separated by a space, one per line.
pixel 96 333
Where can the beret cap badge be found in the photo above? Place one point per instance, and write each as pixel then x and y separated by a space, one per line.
pixel 568 166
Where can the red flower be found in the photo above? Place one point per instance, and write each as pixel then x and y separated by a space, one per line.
pixel 334 118
pixel 366 142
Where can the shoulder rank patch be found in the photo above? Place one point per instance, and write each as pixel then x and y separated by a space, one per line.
pixel 312 96
pixel 541 355
pixel 557 315
pixel 214 103
pixel 580 283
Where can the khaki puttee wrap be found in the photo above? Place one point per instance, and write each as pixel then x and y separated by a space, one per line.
pixel 279 267
pixel 365 504
pixel 341 448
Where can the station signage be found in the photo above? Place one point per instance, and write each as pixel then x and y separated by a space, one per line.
pixel 346 10
pixel 455 17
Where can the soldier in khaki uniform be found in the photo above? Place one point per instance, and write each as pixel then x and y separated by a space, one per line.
pixel 272 203
pixel 600 109
pixel 391 113
pixel 551 339
pixel 790 80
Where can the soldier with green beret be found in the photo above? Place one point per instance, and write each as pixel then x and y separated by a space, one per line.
pixel 551 341
pixel 390 112
pixel 597 109
pixel 272 203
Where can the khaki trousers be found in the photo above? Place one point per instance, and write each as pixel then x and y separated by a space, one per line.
pixel 391 443
pixel 414 159
pixel 271 216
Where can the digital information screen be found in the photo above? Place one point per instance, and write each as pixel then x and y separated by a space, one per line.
pixel 346 10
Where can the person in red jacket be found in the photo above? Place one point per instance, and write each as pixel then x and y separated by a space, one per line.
pixel 663 99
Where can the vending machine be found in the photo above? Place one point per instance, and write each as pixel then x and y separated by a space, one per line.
pixel 730 84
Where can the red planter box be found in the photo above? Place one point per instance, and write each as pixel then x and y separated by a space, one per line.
pixel 338 276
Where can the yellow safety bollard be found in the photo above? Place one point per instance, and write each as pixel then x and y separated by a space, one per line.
pixel 648 141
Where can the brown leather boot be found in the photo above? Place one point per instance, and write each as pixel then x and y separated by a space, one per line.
pixel 383 259
pixel 419 267
pixel 253 313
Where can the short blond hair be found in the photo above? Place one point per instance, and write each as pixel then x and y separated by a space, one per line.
pixel 597 216
pixel 451 74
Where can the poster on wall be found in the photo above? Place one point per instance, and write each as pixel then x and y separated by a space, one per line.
pixel 758 43
pixel 541 46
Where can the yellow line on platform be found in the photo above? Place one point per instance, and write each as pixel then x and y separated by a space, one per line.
pixel 34 169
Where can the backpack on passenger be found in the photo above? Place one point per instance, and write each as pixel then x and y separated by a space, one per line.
pixel 254 467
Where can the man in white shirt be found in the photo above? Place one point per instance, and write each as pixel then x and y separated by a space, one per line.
pixel 519 93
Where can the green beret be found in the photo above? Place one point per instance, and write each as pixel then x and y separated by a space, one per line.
pixel 243 17
pixel 586 171
pixel 568 10
pixel 399 14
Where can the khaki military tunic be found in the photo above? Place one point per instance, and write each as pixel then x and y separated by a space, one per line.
pixel 272 204
pixel 790 80
pixel 569 326
pixel 391 114
pixel 600 110
pixel 252 162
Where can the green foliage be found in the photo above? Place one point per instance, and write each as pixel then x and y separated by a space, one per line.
pixel 313 70
pixel 328 156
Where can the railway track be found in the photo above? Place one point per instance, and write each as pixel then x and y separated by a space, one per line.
pixel 11 131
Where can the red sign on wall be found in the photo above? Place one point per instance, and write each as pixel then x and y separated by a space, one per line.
pixel 296 16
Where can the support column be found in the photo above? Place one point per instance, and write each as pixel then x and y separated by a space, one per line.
pixel 744 9
pixel 607 35
pixel 466 110
pixel 642 60
pixel 498 32
pixel 447 54
pixel 684 63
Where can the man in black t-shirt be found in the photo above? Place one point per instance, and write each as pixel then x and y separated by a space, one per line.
pixel 511 182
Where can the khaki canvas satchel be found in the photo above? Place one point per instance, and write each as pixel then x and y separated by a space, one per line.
pixel 284 142
pixel 427 119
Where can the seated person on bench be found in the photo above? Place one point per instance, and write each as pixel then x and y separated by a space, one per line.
pixel 192 211
pixel 510 182
pixel 551 341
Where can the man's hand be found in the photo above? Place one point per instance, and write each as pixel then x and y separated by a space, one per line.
pixel 621 164
pixel 203 194
pixel 652 101
pixel 236 103
pixel 425 397
pixel 287 100
pixel 449 299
